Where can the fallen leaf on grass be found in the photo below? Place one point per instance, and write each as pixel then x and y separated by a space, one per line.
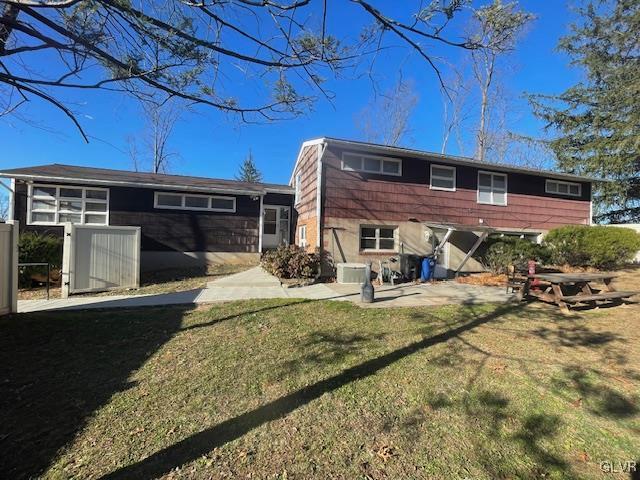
pixel 385 452
pixel 577 403
pixel 137 431
pixel 584 457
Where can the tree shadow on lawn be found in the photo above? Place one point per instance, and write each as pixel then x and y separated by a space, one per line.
pixel 60 367
pixel 203 442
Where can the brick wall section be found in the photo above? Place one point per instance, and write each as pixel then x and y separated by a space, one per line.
pixel 306 207
pixel 379 197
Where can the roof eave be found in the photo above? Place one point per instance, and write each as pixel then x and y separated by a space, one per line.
pixel 116 183
pixel 455 160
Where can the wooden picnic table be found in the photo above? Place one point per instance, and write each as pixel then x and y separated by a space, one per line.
pixel 565 289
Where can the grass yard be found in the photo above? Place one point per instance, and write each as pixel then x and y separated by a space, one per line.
pixel 304 389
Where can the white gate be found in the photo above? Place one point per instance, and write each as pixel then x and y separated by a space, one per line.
pixel 98 258
pixel 8 267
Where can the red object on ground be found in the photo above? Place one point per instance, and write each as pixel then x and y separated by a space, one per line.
pixel 532 271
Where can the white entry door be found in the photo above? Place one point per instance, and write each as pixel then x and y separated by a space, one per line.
pixel 275 225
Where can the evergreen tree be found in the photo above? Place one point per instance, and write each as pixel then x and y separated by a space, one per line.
pixel 248 171
pixel 598 120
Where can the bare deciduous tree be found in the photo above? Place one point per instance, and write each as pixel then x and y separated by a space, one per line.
pixel 497 27
pixel 153 151
pixel 258 59
pixel 386 119
pixel 455 110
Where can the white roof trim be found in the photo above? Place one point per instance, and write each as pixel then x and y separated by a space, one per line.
pixel 160 186
pixel 308 143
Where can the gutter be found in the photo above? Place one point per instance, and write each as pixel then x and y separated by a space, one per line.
pixel 160 186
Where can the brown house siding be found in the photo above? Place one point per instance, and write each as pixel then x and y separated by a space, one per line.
pixel 306 208
pixel 165 230
pixel 378 197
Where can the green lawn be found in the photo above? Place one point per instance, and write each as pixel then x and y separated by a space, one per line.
pixel 303 389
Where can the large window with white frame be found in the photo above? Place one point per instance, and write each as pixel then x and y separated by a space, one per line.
pixel 492 188
pixel 188 201
pixel 380 238
pixel 443 177
pixel 365 163
pixel 563 188
pixel 59 204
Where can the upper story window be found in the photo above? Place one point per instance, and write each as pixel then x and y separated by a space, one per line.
pixel 298 188
pixel 186 201
pixel 378 238
pixel 563 188
pixel 365 163
pixel 58 204
pixel 492 188
pixel 443 178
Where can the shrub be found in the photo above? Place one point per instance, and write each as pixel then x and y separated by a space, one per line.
pixel 505 251
pixel 596 246
pixel 36 248
pixel 291 261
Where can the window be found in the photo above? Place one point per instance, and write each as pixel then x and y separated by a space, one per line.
pixel 382 238
pixel 492 188
pixel 361 163
pixel 563 188
pixel 55 205
pixel 270 221
pixel 443 178
pixel 183 201
pixel 302 236
pixel 298 188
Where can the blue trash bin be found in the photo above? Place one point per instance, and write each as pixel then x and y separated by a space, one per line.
pixel 426 272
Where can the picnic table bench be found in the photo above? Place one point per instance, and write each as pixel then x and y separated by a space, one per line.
pixel 567 289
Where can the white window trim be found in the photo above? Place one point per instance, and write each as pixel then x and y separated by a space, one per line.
pixel 302 236
pixel 376 157
pixel 438 177
pixel 298 189
pixel 183 200
pixel 560 182
pixel 377 237
pixel 506 188
pixel 58 198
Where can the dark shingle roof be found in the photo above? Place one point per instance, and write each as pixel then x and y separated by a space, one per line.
pixel 105 176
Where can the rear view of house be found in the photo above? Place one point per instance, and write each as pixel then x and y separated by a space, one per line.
pixel 360 201
pixel 355 201
pixel 184 221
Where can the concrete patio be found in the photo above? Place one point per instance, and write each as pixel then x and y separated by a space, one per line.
pixel 258 284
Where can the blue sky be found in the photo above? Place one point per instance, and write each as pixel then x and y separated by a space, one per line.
pixel 211 144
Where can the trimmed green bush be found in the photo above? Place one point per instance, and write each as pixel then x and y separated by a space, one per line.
pixel 596 246
pixel 36 248
pixel 505 251
pixel 291 261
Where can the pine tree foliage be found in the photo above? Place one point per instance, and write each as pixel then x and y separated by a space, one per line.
pixel 598 119
pixel 248 171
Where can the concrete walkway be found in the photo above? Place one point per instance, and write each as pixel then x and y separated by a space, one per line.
pixel 258 284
